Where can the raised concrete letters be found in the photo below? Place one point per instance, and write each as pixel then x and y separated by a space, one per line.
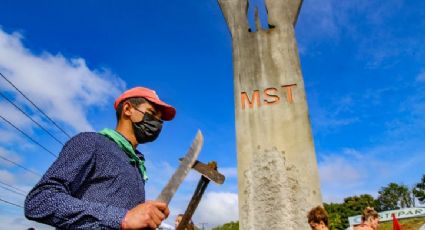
pixel 255 99
pixel 270 96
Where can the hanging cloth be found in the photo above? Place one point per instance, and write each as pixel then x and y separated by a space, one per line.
pixel 125 145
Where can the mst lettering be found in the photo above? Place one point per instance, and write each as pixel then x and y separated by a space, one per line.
pixel 268 96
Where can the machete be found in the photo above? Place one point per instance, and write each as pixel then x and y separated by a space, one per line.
pixel 185 165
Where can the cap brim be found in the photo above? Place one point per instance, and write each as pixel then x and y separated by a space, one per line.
pixel 168 112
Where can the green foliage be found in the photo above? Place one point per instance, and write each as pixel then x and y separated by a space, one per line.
pixel 229 226
pixel 336 218
pixel 357 203
pixel 394 196
pixel 419 190
pixel 339 213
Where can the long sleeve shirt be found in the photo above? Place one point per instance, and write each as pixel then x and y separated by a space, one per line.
pixel 91 185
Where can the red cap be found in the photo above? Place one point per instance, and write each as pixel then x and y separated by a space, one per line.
pixel 168 112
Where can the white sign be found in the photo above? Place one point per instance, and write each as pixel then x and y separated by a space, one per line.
pixel 386 216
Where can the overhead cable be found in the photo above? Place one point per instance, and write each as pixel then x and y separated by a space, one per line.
pixel 18 189
pixel 20 206
pixel 28 136
pixel 38 108
pixel 19 165
pixel 10 190
pixel 39 125
pixel 8 202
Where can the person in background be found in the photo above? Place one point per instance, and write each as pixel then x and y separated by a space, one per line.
pixel 318 218
pixel 190 225
pixel 370 220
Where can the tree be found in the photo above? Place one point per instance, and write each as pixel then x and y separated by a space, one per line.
pixel 336 216
pixel 419 190
pixel 394 196
pixel 228 226
pixel 356 204
pixel 352 206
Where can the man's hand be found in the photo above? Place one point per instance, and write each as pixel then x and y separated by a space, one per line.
pixel 147 215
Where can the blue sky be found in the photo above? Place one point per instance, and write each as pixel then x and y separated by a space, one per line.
pixel 363 64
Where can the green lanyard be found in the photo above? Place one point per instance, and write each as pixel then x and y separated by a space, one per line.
pixel 125 145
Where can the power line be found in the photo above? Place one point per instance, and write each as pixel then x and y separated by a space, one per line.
pixel 10 190
pixel 18 189
pixel 203 225
pixel 17 205
pixel 8 202
pixel 41 111
pixel 39 125
pixel 36 142
pixel 21 166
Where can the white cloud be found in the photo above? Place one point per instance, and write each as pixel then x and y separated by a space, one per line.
pixel 19 222
pixel 22 182
pixel 335 171
pixel 13 115
pixel 350 171
pixel 217 208
pixel 344 174
pixel 63 87
pixel 9 155
pixel 6 133
pixel 159 173
pixel 231 172
pixel 7 177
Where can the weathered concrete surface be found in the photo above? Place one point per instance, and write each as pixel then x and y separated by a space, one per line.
pixel 277 168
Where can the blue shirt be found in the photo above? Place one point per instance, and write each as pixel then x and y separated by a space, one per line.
pixel 91 185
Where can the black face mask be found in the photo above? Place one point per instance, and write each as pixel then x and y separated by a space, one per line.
pixel 147 129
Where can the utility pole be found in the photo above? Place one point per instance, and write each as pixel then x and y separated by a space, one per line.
pixel 278 178
pixel 203 225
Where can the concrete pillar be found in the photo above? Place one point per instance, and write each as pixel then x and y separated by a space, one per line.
pixel 277 170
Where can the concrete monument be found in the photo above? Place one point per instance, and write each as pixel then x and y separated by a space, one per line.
pixel 277 168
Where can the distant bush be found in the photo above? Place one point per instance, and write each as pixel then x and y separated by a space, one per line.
pixel 229 226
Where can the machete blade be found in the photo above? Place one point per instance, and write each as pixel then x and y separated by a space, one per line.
pixel 185 165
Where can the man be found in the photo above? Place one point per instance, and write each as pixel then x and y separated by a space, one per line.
pixel 318 218
pixel 370 220
pixel 98 180
pixel 190 225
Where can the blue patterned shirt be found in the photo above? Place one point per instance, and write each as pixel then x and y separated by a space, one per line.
pixel 91 185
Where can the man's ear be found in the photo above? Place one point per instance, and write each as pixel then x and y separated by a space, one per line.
pixel 126 109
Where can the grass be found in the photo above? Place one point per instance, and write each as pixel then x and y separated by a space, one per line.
pixel 406 224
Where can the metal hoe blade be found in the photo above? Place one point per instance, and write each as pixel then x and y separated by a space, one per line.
pixel 186 164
